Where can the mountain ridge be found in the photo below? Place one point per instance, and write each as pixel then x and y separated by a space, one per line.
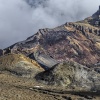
pixel 75 41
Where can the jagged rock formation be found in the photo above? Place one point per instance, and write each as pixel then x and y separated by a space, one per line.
pixel 78 41
pixel 73 41
pixel 44 60
pixel 71 75
pixel 19 65
pixel 35 3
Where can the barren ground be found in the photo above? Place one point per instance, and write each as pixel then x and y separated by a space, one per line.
pixel 16 88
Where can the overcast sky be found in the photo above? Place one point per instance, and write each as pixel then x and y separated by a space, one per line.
pixel 18 20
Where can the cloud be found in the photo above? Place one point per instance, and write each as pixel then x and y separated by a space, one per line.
pixel 19 20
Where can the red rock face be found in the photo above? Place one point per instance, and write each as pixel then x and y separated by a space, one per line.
pixel 64 43
pixel 78 42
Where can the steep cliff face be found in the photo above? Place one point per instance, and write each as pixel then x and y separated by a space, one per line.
pixel 73 41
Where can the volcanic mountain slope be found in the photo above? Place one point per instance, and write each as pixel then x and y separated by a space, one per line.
pixel 36 3
pixel 73 41
pixel 19 65
pixel 22 78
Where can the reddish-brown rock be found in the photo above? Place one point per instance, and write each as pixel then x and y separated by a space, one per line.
pixel 78 41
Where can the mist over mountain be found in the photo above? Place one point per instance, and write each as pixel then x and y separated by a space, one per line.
pixel 22 18
pixel 57 51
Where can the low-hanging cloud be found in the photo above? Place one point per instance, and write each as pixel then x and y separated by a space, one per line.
pixel 19 19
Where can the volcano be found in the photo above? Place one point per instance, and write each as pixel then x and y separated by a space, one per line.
pixel 73 41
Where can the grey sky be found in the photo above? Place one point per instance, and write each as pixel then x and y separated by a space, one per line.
pixel 18 20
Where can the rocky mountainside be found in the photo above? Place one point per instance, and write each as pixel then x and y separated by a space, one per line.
pixel 35 3
pixel 19 65
pixel 62 63
pixel 73 41
pixel 72 76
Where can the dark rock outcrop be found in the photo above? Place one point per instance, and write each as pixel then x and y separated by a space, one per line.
pixel 44 60
pixel 73 42
pixel 96 67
